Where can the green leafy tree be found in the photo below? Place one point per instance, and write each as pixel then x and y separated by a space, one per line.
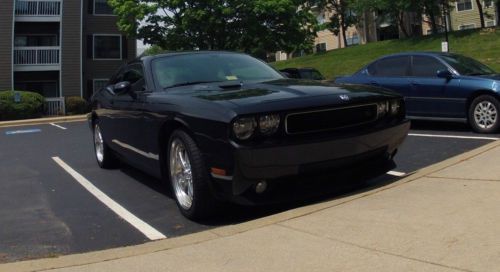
pixel 342 16
pixel 393 11
pixel 253 26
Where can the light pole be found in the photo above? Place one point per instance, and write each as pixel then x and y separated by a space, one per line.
pixel 445 45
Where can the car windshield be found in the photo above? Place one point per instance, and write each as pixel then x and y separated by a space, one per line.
pixel 467 66
pixel 187 69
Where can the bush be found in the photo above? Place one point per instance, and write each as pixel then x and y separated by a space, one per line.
pixel 76 105
pixel 31 105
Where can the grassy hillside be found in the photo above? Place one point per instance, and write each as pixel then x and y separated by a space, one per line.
pixel 482 45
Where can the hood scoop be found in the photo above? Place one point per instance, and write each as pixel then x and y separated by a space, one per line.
pixel 231 85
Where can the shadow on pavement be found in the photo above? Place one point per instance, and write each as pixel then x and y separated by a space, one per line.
pixel 295 193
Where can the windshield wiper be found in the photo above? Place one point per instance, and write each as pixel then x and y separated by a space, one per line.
pixel 187 83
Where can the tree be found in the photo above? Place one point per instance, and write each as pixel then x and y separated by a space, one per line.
pixel 342 16
pixel 481 13
pixel 253 26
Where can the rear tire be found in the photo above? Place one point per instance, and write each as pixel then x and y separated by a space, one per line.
pixel 483 114
pixel 104 155
pixel 189 178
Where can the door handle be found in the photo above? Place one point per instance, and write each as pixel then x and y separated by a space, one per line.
pixel 373 83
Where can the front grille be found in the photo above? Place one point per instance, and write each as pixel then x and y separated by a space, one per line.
pixel 330 119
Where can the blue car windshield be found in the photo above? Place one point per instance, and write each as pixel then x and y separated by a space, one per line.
pixel 467 66
pixel 188 69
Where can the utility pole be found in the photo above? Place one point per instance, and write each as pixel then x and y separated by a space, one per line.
pixel 445 45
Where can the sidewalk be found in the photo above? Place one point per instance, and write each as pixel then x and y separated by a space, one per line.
pixel 443 218
pixel 45 120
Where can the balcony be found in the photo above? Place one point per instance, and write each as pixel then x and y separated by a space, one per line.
pixel 37 58
pixel 38 10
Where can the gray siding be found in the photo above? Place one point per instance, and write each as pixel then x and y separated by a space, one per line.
pixel 6 22
pixel 70 46
pixel 100 69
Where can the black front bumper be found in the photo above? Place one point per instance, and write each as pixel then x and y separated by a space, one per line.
pixel 370 151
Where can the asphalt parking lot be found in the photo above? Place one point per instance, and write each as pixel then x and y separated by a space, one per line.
pixel 46 211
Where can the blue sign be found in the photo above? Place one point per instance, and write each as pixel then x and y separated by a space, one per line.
pixel 17 97
pixel 24 131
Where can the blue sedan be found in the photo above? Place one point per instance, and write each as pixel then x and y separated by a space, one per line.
pixel 438 86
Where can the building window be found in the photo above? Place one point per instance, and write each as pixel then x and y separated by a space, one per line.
pixel 320 47
pixel 107 47
pixel 469 26
pixel 36 40
pixel 353 40
pixel 101 7
pixel 488 4
pixel 463 5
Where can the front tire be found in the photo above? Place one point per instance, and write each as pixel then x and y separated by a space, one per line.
pixel 105 157
pixel 189 178
pixel 483 114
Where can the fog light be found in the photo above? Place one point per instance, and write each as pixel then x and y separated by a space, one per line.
pixel 260 187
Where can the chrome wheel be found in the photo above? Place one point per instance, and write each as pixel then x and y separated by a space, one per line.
pixel 485 114
pixel 180 174
pixel 98 144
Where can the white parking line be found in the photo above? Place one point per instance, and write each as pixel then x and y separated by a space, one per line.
pixel 140 225
pixel 396 173
pixel 61 127
pixel 453 136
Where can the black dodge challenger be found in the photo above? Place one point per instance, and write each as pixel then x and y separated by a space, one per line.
pixel 226 126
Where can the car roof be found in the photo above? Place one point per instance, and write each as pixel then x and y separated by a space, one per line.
pixel 299 68
pixel 175 53
pixel 422 53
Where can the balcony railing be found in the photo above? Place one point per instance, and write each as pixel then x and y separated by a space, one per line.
pixel 38 8
pixel 46 56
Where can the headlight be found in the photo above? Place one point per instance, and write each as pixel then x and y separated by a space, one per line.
pixel 382 108
pixel 243 128
pixel 395 107
pixel 269 123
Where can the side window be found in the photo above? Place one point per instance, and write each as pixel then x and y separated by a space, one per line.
pixel 118 77
pixel 424 66
pixel 391 67
pixel 133 74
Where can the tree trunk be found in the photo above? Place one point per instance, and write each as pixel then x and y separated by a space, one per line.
pixel 343 30
pixel 402 24
pixel 481 14
pixel 432 17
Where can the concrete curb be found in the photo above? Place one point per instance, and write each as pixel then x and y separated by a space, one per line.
pixel 196 238
pixel 38 121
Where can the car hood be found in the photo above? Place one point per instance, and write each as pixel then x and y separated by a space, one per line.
pixel 283 94
pixel 492 76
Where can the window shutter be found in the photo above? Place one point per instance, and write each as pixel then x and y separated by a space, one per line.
pixel 91 6
pixel 90 46
pixel 124 48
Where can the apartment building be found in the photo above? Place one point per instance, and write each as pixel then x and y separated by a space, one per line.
pixel 465 15
pixel 60 47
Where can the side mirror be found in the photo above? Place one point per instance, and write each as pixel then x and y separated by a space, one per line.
pixel 121 87
pixel 444 74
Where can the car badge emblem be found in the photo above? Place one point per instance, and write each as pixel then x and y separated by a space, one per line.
pixel 344 97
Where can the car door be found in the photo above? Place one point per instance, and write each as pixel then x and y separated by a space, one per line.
pixel 391 73
pixel 127 116
pixel 431 95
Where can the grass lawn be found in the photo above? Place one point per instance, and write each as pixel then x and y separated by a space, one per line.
pixel 482 45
